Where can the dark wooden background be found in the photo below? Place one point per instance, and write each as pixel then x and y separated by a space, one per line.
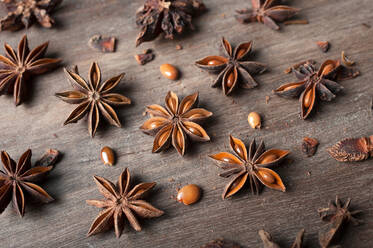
pixel 311 182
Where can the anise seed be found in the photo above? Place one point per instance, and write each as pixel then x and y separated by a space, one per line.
pixel 107 156
pixel 230 79
pixel 214 62
pixel 169 71
pixel 189 194
pixel 267 177
pixel 254 120
pixel 307 99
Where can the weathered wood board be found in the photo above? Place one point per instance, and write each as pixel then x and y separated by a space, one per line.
pixel 311 182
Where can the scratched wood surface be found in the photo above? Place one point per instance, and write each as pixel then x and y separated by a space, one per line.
pixel 311 182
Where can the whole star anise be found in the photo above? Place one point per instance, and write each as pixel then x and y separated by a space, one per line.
pixel 175 123
pixel 266 11
pixel 314 84
pixel 121 202
pixel 252 167
pixel 234 69
pixel 166 16
pixel 18 179
pixel 23 13
pixel 17 68
pixel 93 98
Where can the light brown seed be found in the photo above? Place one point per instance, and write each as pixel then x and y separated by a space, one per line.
pixel 189 194
pixel 307 99
pixel 267 177
pixel 254 120
pixel 169 71
pixel 107 156
pixel 215 62
pixel 230 79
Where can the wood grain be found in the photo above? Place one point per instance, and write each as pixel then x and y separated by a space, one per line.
pixel 311 182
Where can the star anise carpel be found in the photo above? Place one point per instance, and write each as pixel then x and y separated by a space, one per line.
pixel 17 180
pixel 268 12
pixel 234 69
pixel 18 68
pixel 170 17
pixel 120 203
pixel 269 243
pixel 175 123
pixel 314 84
pixel 23 13
pixel 94 98
pixel 249 166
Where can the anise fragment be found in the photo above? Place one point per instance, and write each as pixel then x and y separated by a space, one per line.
pixel 323 45
pixel 17 181
pixel 337 215
pixel 234 69
pixel 221 243
pixel 121 202
pixel 352 149
pixel 251 166
pixel 170 17
pixel 105 44
pixel 18 68
pixel 347 61
pixel 268 12
pixel 23 13
pixel 175 123
pixel 145 57
pixel 309 146
pixel 269 243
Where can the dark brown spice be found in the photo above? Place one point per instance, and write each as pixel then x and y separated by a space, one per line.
pixel 49 158
pixel 268 12
pixel 107 156
pixel 346 60
pixel 309 146
pixel 297 22
pixel 297 65
pixel 105 44
pixel 323 45
pixel 145 57
pixel 269 243
pixel 221 243
pixel 189 194
pixel 22 13
pixel 352 149
pixel 234 69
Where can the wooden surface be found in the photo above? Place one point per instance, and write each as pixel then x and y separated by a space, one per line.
pixel 311 182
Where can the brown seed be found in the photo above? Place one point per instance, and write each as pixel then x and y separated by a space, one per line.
pixel 307 99
pixel 189 194
pixel 230 79
pixel 269 158
pixel 215 62
pixel 169 71
pixel 254 120
pixel 194 131
pixel 107 156
pixel 268 178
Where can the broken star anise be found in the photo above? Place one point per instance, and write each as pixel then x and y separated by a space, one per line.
pixel 269 243
pixel 121 202
pixel 23 13
pixel 314 84
pixel 234 69
pixel 166 16
pixel 18 179
pixel 337 215
pixel 352 149
pixel 268 12
pixel 17 68
pixel 93 98
pixel 176 123
pixel 252 167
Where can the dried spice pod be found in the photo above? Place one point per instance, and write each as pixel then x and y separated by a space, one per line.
pixel 346 60
pixel 170 17
pixel 22 13
pixel 337 215
pixel 309 146
pixel 268 12
pixel 169 71
pixel 269 243
pixel 221 243
pixel 249 166
pixel 19 179
pixel 313 85
pixel 17 68
pixel 94 98
pixel 175 123
pixel 234 69
pixel 120 203
pixel 352 149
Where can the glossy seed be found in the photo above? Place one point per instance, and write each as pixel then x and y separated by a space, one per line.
pixel 307 99
pixel 107 156
pixel 194 131
pixel 327 69
pixel 230 79
pixel 215 62
pixel 254 120
pixel 268 178
pixel 189 194
pixel 269 158
pixel 169 71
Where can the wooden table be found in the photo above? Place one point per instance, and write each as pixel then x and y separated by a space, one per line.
pixel 311 182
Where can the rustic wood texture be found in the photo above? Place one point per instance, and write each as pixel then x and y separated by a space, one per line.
pixel 311 182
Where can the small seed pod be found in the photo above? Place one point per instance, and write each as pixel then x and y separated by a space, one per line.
pixel 254 120
pixel 107 156
pixel 169 71
pixel 189 194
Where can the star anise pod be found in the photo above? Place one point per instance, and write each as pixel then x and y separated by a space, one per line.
pixel 176 123
pixel 269 243
pixel 18 179
pixel 234 69
pixel 170 17
pixel 352 149
pixel 252 167
pixel 23 13
pixel 314 84
pixel 94 98
pixel 268 12
pixel 337 215
pixel 121 202
pixel 17 68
